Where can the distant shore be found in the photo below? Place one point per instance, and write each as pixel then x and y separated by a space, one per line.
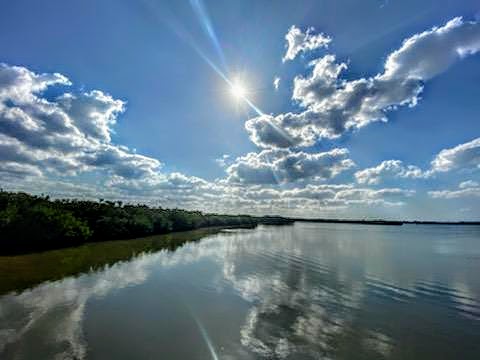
pixel 386 222
pixel 349 221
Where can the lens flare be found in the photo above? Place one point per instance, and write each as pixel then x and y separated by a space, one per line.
pixel 238 90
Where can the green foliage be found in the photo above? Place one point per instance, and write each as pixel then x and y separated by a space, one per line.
pixel 32 223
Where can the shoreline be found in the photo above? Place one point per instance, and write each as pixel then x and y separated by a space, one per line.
pixel 387 222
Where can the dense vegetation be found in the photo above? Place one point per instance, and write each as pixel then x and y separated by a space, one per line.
pixel 31 223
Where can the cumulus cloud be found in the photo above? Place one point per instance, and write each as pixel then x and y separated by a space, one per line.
pixel 324 80
pixel 160 183
pixel 437 49
pixel 334 105
pixel 266 131
pixel 94 113
pixel 389 169
pixel 65 135
pixel 463 156
pixel 285 166
pixel 19 84
pixel 119 161
pixel 299 41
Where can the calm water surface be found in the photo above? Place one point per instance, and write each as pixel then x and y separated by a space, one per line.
pixel 308 291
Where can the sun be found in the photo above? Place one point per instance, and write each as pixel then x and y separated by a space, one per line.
pixel 238 90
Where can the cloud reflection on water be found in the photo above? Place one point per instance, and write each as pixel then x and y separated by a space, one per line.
pixel 309 293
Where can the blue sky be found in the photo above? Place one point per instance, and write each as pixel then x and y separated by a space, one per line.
pixel 147 119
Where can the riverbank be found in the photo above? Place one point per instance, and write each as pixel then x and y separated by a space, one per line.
pixel 31 223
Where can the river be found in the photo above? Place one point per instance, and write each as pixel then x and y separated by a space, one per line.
pixel 302 291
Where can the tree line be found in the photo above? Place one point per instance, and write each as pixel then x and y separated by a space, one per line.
pixel 32 223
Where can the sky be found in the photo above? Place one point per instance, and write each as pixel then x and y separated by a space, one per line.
pixel 338 108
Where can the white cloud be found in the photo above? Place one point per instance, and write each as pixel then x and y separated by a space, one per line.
pixel 19 84
pixel 94 113
pixel 463 156
pixel 468 188
pixel 393 196
pixel 266 131
pixel 431 52
pixel 324 81
pixel 454 194
pixel 389 169
pixel 65 135
pixel 284 166
pixel 298 41
pixel 333 196
pixel 334 105
pixel 312 198
pixel 276 83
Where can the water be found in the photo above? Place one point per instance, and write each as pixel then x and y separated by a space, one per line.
pixel 308 291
